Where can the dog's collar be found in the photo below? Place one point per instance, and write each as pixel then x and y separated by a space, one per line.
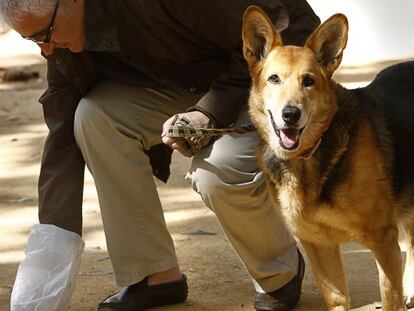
pixel 307 154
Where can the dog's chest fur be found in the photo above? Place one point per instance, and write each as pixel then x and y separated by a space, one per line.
pixel 317 195
pixel 306 214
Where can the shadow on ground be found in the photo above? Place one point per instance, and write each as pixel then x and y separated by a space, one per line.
pixel 217 279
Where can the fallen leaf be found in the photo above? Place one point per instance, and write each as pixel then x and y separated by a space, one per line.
pixel 20 200
pixel 199 232
pixel 97 273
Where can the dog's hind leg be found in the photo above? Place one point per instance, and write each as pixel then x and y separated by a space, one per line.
pixel 328 270
pixel 384 244
pixel 408 228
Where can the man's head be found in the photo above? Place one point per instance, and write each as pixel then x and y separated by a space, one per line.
pixel 50 23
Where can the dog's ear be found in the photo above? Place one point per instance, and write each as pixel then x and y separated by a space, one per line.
pixel 259 35
pixel 328 42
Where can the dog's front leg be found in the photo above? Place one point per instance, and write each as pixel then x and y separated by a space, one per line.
pixel 384 244
pixel 328 270
pixel 409 263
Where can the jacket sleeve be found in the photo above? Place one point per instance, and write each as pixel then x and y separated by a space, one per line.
pixel 302 22
pixel 62 167
pixel 221 22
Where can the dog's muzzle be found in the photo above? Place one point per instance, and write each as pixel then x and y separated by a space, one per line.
pixel 289 137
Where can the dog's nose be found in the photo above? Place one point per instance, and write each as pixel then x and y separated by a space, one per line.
pixel 291 115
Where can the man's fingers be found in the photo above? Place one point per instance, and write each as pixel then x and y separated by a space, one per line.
pixel 173 142
pixel 184 149
pixel 178 144
pixel 183 146
pixel 167 125
pixel 168 140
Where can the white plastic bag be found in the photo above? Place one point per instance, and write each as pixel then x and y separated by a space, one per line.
pixel 46 277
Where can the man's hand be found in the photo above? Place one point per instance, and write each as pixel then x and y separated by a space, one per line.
pixel 183 146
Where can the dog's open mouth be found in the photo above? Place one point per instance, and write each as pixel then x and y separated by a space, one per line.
pixel 289 138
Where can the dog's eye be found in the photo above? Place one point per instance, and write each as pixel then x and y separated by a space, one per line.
pixel 274 79
pixel 308 81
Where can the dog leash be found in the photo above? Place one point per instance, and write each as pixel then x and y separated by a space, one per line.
pixel 182 127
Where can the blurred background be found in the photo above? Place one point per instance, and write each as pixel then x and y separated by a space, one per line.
pixel 380 34
pixel 378 29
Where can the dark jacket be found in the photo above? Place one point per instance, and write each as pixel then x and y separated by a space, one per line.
pixel 193 45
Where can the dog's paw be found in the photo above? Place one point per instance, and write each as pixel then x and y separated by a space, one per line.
pixel 409 294
pixel 409 302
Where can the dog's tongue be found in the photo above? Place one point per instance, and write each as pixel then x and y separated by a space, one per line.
pixel 289 137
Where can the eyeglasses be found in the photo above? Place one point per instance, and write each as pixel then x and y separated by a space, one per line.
pixel 47 32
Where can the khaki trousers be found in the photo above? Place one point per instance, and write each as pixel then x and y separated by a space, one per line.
pixel 114 123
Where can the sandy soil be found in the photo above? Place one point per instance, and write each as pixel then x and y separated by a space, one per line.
pixel 217 279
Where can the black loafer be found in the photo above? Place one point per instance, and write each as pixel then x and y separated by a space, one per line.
pixel 285 298
pixel 141 296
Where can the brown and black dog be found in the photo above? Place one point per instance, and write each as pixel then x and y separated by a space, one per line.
pixel 339 163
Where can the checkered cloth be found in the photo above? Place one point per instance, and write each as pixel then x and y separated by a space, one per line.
pixel 183 127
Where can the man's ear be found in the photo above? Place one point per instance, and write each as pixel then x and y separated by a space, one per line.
pixel 259 35
pixel 328 42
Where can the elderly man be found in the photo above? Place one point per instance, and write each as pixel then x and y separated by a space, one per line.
pixel 117 72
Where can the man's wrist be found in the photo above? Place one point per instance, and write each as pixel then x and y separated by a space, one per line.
pixel 213 123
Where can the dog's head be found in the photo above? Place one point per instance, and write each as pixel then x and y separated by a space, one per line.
pixel 291 99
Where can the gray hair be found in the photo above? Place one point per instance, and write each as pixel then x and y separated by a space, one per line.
pixel 11 9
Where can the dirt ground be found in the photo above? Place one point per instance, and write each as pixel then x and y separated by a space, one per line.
pixel 217 279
